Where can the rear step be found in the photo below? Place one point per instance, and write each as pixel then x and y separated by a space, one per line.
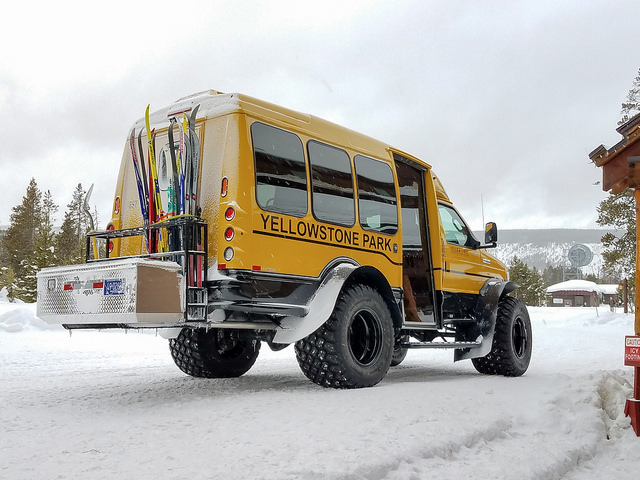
pixel 196 308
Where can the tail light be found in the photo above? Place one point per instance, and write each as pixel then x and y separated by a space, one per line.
pixel 110 228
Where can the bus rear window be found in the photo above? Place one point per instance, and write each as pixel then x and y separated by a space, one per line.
pixel 281 176
pixel 376 195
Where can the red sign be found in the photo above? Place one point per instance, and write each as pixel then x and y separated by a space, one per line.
pixel 632 351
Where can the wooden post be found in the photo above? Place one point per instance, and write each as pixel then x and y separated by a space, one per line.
pixel 632 407
pixel 626 296
pixel 636 194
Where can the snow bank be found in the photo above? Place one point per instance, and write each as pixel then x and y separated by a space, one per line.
pixel 18 316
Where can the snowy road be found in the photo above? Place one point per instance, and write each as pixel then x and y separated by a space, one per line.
pixel 107 405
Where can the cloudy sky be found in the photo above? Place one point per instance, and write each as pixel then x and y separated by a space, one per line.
pixel 504 98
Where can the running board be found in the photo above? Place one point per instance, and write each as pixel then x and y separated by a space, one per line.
pixel 440 344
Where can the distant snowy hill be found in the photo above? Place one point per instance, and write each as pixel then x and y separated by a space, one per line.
pixel 548 247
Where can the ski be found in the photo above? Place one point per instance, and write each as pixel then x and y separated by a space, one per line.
pixel 161 239
pixel 174 183
pixel 139 181
pixel 144 170
pixel 195 167
pixel 181 159
pixel 195 209
pixel 188 179
pixel 140 184
pixel 174 188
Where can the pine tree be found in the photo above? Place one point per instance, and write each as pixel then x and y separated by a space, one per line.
pixel 552 275
pixel 8 282
pixel 19 240
pixel 618 211
pixel 26 283
pixel 45 254
pixel 70 242
pixel 532 289
pixel 631 106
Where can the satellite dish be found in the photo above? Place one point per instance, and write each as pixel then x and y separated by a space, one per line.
pixel 580 255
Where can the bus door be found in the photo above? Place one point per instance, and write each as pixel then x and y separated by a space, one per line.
pixel 417 271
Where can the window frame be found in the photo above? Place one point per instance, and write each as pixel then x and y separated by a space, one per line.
pixel 311 182
pixel 394 185
pixel 267 208
pixel 471 241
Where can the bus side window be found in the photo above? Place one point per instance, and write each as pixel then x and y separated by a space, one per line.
pixel 376 195
pixel 281 174
pixel 332 197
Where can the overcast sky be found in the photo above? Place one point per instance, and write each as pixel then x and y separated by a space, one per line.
pixel 505 99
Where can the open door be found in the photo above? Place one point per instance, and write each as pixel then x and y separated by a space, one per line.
pixel 417 271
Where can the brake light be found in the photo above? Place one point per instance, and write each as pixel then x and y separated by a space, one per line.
pixel 229 234
pixel 110 228
pixel 229 214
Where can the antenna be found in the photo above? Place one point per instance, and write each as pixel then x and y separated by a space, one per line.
pixel 87 208
pixel 482 209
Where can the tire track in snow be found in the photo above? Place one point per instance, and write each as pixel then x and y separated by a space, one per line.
pixel 485 452
pixel 550 448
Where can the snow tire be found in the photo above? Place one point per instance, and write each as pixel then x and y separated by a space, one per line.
pixel 512 341
pixel 213 353
pixel 399 353
pixel 353 348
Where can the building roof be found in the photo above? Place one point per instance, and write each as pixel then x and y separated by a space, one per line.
pixel 575 286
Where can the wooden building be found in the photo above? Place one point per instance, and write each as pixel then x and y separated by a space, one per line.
pixel 574 293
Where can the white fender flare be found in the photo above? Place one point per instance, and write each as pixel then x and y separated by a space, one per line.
pixel 320 306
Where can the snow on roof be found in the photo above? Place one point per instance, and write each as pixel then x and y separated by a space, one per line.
pixel 575 286
pixel 609 289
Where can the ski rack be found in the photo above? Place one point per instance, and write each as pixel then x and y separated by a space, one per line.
pixel 188 235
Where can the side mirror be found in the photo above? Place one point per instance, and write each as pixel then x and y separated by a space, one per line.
pixel 491 234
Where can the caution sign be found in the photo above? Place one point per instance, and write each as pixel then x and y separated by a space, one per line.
pixel 632 351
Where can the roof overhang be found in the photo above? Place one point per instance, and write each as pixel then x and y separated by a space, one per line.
pixel 618 173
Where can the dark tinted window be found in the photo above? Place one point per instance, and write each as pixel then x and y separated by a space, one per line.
pixel 376 195
pixel 331 184
pixel 281 177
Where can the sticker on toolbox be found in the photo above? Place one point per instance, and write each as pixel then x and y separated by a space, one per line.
pixel 114 286
pixel 77 285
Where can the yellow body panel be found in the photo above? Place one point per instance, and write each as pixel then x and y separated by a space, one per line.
pixel 278 243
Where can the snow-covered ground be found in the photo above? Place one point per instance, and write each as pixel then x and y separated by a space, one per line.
pixel 110 405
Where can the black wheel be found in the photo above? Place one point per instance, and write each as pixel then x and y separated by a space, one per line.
pixel 512 341
pixel 213 353
pixel 399 353
pixel 353 348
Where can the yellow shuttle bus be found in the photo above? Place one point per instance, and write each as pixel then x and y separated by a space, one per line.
pixel 237 222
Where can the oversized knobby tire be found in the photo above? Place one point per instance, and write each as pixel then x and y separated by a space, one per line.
pixel 512 341
pixel 353 348
pixel 399 352
pixel 213 353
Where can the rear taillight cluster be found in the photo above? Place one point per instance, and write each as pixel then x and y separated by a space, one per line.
pixel 110 227
pixel 229 232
